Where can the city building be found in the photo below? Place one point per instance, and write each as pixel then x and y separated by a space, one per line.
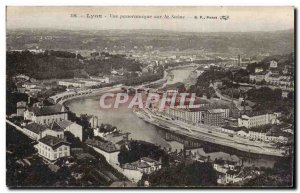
pixel 273 64
pixel 46 114
pixel 232 177
pixel 250 120
pixel 21 107
pixel 94 121
pixel 101 79
pixel 72 127
pixel 51 148
pixel 89 82
pixel 188 115
pixel 34 130
pixel 145 165
pixel 215 117
pixel 71 83
pixel 257 70
pixel 258 77
pixel 104 130
pixel 109 150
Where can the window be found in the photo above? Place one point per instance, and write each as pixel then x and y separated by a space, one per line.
pixel 65 148
pixel 60 149
pixel 55 156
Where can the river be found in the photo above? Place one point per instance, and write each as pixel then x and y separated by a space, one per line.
pixel 127 121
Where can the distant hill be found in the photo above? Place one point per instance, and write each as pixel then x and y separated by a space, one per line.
pixel 48 66
pixel 247 43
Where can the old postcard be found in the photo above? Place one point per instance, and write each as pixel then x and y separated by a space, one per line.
pixel 147 97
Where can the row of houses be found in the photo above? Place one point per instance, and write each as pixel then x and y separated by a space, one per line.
pixel 46 125
pixel 271 78
pixel 267 133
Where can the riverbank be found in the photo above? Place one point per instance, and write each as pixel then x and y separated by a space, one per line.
pixel 204 135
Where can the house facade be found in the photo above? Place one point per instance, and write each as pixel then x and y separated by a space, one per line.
pixel 46 114
pixel 51 148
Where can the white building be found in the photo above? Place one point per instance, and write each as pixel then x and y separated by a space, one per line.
pixel 101 79
pixel 21 107
pixel 46 114
pixel 250 121
pixel 257 70
pixel 28 85
pixel 107 149
pixel 52 148
pixel 192 116
pixel 72 127
pixel 71 83
pixel 273 64
pixel 145 165
pixel 88 82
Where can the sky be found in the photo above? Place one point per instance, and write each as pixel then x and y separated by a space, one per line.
pixel 240 19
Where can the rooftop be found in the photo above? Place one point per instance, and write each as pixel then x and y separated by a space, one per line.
pixel 35 127
pixel 56 127
pixel 103 145
pixel 47 110
pixel 216 111
pixel 53 142
pixel 64 123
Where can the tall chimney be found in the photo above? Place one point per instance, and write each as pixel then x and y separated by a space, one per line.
pixel 28 99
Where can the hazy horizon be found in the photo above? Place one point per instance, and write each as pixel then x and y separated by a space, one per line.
pixel 241 19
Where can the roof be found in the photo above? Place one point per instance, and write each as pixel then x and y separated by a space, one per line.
pixel 136 164
pixel 84 156
pixel 56 127
pixel 219 161
pixel 216 110
pixel 148 159
pixel 64 123
pixel 47 110
pixel 240 107
pixel 103 145
pixel 35 127
pixel 53 142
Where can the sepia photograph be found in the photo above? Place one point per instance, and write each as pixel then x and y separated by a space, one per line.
pixel 146 97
